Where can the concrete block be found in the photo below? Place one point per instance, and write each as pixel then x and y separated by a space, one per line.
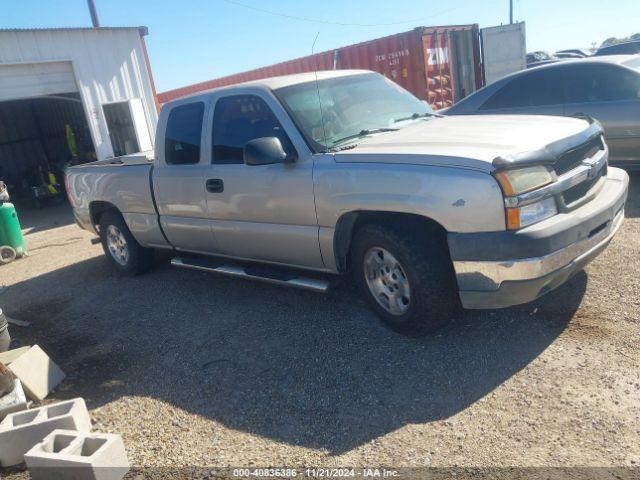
pixel 10 355
pixel 37 372
pixel 20 431
pixel 14 401
pixel 65 455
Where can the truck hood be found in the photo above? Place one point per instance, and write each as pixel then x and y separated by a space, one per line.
pixel 480 142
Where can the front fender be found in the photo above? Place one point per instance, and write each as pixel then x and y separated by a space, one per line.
pixel 460 200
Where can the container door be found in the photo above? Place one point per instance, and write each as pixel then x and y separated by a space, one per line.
pixel 463 62
pixel 504 50
pixel 436 47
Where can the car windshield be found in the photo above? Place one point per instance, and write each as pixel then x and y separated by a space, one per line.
pixel 352 107
pixel 633 63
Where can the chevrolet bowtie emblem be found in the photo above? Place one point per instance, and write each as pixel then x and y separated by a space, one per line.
pixel 593 169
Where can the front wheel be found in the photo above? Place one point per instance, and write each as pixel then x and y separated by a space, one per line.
pixel 125 253
pixel 406 277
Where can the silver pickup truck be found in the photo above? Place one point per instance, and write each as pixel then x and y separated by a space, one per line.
pixel 345 171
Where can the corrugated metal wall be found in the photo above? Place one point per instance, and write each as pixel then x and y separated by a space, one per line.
pixel 108 63
pixel 419 60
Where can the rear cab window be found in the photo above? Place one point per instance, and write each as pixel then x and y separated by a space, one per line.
pixel 184 134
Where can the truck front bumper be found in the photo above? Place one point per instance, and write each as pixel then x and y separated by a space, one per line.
pixel 501 269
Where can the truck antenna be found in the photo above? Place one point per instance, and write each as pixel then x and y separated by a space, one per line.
pixel 315 61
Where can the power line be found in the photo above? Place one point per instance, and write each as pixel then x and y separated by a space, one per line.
pixel 328 22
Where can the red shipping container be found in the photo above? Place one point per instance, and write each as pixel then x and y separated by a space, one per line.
pixel 438 64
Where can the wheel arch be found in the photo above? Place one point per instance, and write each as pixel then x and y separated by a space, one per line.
pixel 349 223
pixel 97 209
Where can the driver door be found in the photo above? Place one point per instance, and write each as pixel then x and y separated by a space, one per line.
pixel 610 94
pixel 259 212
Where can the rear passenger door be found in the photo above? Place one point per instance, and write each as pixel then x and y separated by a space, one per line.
pixel 533 92
pixel 260 212
pixel 610 94
pixel 178 179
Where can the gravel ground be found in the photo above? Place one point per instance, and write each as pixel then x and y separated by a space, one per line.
pixel 199 370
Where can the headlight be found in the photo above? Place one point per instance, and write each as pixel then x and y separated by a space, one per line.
pixel 523 180
pixel 529 214
pixel 520 181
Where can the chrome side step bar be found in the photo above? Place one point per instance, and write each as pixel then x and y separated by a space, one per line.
pixel 261 274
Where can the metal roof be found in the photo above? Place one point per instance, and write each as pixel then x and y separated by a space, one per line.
pixel 141 28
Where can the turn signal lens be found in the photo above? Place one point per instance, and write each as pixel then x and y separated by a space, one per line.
pixel 513 218
pixel 522 180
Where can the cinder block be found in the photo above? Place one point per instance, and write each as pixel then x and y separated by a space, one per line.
pixel 20 431
pixel 10 355
pixel 37 372
pixel 65 454
pixel 14 401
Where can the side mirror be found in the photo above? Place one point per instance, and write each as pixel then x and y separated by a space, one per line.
pixel 265 151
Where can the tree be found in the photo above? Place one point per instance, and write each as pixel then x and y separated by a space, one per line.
pixel 614 40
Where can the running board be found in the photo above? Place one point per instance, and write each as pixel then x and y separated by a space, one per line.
pixel 261 274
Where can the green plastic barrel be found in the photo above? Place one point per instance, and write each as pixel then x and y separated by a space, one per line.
pixel 10 232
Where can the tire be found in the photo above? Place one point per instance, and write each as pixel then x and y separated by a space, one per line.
pixel 7 255
pixel 123 251
pixel 420 294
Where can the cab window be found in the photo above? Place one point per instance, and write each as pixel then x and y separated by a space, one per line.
pixel 238 119
pixel 184 133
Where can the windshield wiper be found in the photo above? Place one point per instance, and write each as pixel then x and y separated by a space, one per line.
pixel 365 132
pixel 415 116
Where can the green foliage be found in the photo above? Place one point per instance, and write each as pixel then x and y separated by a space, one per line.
pixel 614 41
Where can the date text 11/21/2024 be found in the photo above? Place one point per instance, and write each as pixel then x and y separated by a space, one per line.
pixel 315 473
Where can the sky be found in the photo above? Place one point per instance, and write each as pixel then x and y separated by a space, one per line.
pixel 195 40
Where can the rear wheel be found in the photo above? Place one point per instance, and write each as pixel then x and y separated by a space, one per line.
pixel 124 252
pixel 406 277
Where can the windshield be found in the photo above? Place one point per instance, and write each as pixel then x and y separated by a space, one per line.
pixel 352 107
pixel 633 63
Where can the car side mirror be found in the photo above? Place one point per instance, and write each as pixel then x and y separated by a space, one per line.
pixel 265 151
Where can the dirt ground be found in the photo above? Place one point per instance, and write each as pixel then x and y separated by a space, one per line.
pixel 199 370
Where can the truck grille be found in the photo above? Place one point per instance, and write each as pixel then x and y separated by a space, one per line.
pixel 572 158
pixel 577 192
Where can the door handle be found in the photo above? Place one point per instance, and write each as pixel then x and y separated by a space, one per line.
pixel 215 185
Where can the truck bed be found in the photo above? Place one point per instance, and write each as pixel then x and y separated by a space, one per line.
pixel 141 158
pixel 122 182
